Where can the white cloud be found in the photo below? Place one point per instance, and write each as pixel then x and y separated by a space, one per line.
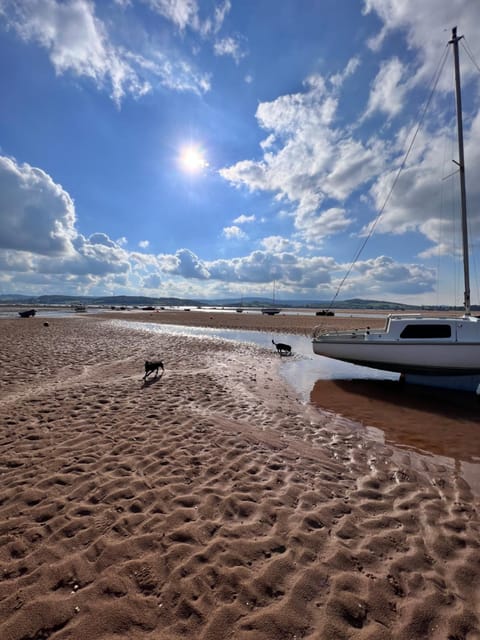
pixel 152 281
pixel 243 219
pixel 427 25
pixel 306 159
pixel 144 244
pixel 314 228
pixel 36 214
pixel 423 200
pixel 80 43
pixel 234 232
pixel 38 222
pixel 76 40
pixel 174 73
pixel 383 276
pixel 262 267
pixel 278 244
pixel 182 13
pixel 229 46
pixel 221 12
pixel 388 89
pixel 185 14
pixel 338 79
pixel 184 263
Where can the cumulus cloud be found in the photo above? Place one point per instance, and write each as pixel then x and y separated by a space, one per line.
pixel 36 214
pixel 183 263
pixel 144 244
pixel 307 159
pixel 234 232
pixel 39 234
pixel 151 281
pixel 314 228
pixel 385 276
pixel 278 244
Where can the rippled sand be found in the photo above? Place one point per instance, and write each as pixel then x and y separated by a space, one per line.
pixel 209 503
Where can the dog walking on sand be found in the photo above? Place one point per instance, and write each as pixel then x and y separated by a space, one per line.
pixel 152 366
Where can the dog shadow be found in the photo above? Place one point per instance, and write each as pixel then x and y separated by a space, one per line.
pixel 147 382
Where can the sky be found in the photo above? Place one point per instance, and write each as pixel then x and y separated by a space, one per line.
pixel 229 148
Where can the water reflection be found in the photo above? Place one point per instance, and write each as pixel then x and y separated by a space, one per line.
pixel 441 423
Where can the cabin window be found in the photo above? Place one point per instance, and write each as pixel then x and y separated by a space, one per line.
pixel 427 331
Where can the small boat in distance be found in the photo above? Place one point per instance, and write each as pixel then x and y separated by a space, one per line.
pixel 273 310
pixel 79 308
pixel 443 352
pixel 270 311
pixel 325 312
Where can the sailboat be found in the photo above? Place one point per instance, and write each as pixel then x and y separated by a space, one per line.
pixel 436 351
pixel 273 310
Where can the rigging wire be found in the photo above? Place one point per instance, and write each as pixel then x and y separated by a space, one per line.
pixel 468 51
pixel 436 78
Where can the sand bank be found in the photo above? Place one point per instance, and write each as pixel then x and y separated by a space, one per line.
pixel 209 503
pixel 286 322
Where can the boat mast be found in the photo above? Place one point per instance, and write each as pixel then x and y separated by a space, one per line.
pixel 461 165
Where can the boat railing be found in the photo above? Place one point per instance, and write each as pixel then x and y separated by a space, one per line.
pixel 322 332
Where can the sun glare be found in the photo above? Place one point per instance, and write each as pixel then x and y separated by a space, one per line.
pixel 192 159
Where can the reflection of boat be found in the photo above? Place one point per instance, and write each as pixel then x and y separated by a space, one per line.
pixel 415 344
pixel 27 314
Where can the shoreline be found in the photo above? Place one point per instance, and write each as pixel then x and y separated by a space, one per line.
pixel 210 503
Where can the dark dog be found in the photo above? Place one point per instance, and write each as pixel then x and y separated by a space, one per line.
pixel 283 349
pixel 152 366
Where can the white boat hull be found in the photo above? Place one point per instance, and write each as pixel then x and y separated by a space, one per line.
pixel 423 359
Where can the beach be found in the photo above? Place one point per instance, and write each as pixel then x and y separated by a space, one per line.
pixel 210 502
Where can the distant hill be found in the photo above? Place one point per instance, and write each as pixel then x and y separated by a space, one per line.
pixel 97 300
pixel 140 301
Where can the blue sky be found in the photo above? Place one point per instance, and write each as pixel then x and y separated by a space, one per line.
pixel 211 148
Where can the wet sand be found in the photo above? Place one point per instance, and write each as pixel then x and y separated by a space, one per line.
pixel 209 503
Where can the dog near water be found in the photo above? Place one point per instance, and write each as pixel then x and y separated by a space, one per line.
pixel 152 366
pixel 282 349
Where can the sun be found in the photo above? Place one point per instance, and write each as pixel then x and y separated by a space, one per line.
pixel 192 159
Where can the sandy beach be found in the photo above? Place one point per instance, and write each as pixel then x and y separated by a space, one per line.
pixel 210 503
